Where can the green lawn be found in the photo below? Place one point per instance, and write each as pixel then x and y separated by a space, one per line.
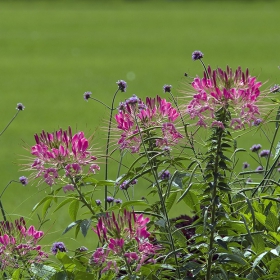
pixel 51 52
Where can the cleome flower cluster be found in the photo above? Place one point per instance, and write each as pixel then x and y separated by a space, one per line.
pixel 236 91
pixel 153 118
pixel 62 151
pixel 18 245
pixel 125 236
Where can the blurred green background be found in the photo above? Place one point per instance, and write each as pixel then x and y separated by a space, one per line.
pixel 51 52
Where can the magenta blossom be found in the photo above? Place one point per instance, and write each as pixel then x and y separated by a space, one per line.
pixel 234 90
pixel 62 151
pixel 124 237
pixel 155 117
pixel 18 244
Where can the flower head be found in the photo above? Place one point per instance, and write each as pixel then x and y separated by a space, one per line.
pixel 98 202
pixel 58 246
pixel 275 88
pixel 23 180
pixel 197 55
pixel 234 91
pixel 245 165
pixel 255 148
pixel 135 116
pixel 20 107
pixel 64 152
pixel 124 236
pixel 164 175
pixel 259 168
pixel 265 153
pixel 87 95
pixel 19 244
pixel 167 88
pixel 110 199
pixel 122 85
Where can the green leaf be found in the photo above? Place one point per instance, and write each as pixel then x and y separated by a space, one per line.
pixel 73 209
pixel 192 201
pixel 16 274
pixel 260 218
pixel 235 258
pixel 71 226
pixel 258 259
pixel 277 150
pixel 127 204
pixel 271 222
pixel 170 201
pixel 259 245
pixel 84 225
pixel 64 202
pixel 46 206
pixel 67 262
pixel 42 271
pixel 106 183
pixel 41 202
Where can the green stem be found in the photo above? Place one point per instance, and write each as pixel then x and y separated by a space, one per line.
pixel 213 203
pixel 9 123
pixel 160 194
pixel 107 147
pixel 81 196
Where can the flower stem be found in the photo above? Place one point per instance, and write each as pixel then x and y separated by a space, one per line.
pixel 214 187
pixel 9 123
pixel 107 147
pixel 160 194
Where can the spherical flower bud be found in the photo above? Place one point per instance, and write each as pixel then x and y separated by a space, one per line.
pixel 259 168
pixel 58 246
pixel 110 199
pixel 164 175
pixel 275 88
pixel 122 85
pixel 167 88
pixel 20 107
pixel 257 122
pixel 197 55
pixel 23 180
pixel 265 153
pixel 118 201
pixel 245 165
pixel 255 148
pixel 98 202
pixel 87 95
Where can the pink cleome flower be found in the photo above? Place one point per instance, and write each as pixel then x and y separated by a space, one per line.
pixel 235 90
pixel 19 244
pixel 126 236
pixel 156 114
pixel 61 151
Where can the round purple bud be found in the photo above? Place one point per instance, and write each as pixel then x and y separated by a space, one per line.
pixel 87 95
pixel 245 165
pixel 255 148
pixel 110 199
pixel 275 88
pixel 20 107
pixel 132 100
pixel 58 246
pixel 122 85
pixel 23 180
pixel 98 202
pixel 265 153
pixel 197 55
pixel 259 168
pixel 164 175
pixel 167 88
pixel 257 122
pixel 118 201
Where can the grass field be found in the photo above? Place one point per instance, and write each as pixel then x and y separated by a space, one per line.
pixel 51 52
